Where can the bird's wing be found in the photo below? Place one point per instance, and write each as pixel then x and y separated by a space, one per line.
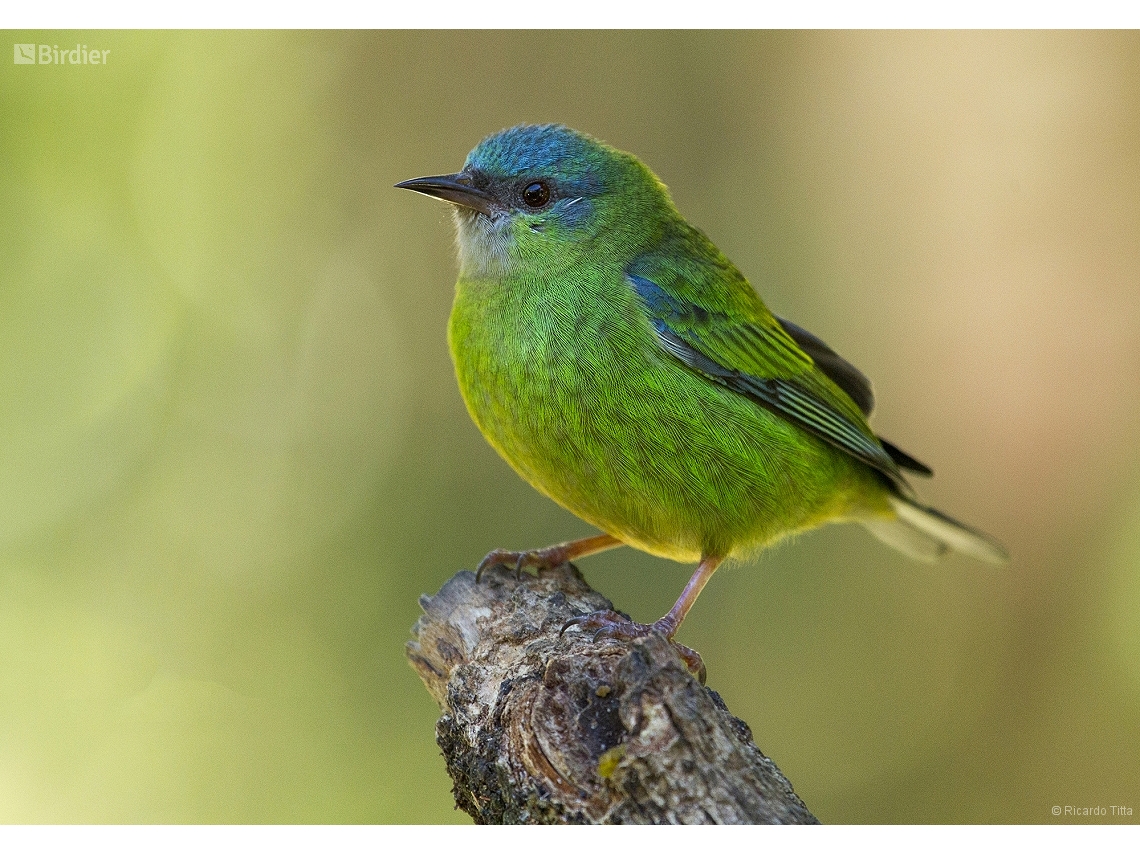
pixel 708 317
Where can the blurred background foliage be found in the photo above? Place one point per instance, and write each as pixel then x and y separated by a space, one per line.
pixel 232 453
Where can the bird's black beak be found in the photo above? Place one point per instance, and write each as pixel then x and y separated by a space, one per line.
pixel 455 188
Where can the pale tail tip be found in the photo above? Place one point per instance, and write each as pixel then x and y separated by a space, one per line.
pixel 950 532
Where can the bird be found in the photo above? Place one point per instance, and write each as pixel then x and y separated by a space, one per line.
pixel 626 369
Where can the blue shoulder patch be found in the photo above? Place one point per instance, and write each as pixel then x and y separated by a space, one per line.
pixel 665 306
pixel 656 299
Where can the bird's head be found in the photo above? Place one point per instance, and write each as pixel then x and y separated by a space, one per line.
pixel 540 194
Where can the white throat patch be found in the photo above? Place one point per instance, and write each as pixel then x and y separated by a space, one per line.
pixel 484 243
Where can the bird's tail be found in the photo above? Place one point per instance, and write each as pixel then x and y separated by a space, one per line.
pixel 926 534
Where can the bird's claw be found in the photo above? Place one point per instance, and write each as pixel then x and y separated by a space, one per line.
pixel 540 559
pixel 610 624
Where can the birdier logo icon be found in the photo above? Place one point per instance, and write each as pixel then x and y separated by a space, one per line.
pixel 54 55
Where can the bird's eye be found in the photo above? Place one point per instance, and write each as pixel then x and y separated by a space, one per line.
pixel 536 194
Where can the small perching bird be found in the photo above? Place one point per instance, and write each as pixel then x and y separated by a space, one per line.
pixel 626 369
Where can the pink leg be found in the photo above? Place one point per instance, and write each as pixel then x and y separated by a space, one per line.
pixel 609 624
pixel 548 557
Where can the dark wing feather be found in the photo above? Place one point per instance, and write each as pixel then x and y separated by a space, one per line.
pixel 904 460
pixel 842 373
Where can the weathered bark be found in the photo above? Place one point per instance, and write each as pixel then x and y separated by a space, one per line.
pixel 541 729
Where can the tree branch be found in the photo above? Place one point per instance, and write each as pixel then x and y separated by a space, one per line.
pixel 538 729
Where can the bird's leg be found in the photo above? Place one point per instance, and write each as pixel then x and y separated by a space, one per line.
pixel 609 624
pixel 548 557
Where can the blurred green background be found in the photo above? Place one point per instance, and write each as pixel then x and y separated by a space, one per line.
pixel 232 453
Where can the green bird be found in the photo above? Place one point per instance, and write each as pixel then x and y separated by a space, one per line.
pixel 626 369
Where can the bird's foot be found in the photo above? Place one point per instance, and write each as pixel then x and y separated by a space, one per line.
pixel 541 559
pixel 610 624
